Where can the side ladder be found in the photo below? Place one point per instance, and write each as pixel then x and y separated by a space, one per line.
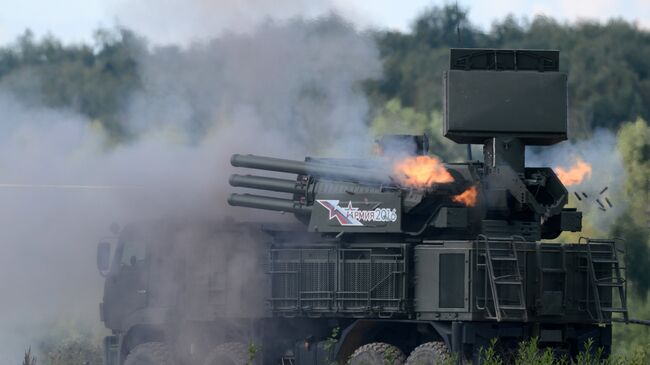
pixel 506 282
pixel 604 253
pixel 552 269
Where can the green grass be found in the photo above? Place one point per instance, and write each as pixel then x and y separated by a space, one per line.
pixel 529 353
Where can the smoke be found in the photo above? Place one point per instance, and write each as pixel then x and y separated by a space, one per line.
pixel 201 20
pixel 285 89
pixel 601 153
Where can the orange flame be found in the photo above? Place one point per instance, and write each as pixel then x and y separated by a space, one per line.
pixel 575 174
pixel 421 171
pixel 467 197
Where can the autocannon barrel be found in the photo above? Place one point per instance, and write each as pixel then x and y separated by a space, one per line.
pixel 267 183
pixel 268 203
pixel 309 168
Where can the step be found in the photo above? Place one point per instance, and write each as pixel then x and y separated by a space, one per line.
pixel 604 261
pixel 606 279
pixel 554 271
pixel 508 282
pixel 611 285
pixel 613 310
pixel 503 258
pixel 512 307
pixel 509 277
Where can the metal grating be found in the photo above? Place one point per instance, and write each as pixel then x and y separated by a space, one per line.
pixel 338 280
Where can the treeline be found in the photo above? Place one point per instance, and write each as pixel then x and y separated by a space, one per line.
pixel 608 66
pixel 95 80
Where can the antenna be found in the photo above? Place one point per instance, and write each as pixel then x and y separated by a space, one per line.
pixel 460 40
pixel 460 44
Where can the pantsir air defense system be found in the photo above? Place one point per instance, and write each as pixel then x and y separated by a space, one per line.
pixel 402 259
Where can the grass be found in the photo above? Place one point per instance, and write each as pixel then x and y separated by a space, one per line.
pixel 84 352
pixel 529 353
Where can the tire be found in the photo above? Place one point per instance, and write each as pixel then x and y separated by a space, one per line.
pixel 430 353
pixel 230 353
pixel 377 353
pixel 150 353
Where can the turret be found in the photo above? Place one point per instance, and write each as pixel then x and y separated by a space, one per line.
pixel 502 99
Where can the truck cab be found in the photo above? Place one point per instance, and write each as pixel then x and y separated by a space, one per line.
pixel 178 286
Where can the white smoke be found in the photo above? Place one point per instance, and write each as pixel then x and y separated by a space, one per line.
pixel 187 21
pixel 287 90
pixel 607 172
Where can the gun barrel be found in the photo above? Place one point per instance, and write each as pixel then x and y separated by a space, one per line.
pixel 267 183
pixel 268 203
pixel 309 168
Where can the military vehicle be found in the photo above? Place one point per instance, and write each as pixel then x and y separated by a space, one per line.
pixel 399 259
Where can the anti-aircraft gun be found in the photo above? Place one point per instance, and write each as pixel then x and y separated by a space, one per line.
pixel 395 255
pixel 504 100
pixel 464 238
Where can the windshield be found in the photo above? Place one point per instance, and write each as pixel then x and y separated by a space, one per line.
pixel 133 248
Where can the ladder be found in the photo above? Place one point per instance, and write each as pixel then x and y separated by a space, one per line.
pixel 506 282
pixel 553 273
pixel 604 253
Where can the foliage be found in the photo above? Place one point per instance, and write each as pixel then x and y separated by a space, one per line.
pixel 29 359
pixel 397 119
pixel 590 356
pixel 253 350
pixel 75 352
pixel 93 80
pixel 634 145
pixel 629 339
pixel 529 353
pixel 489 355
pixel 390 355
pixel 608 64
pixel 70 342
pixel 452 359
pixel 330 342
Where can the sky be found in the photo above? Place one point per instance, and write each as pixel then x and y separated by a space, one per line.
pixel 184 21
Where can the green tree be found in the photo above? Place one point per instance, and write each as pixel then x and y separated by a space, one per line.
pixel 634 145
pixel 93 80
pixel 608 64
pixel 397 119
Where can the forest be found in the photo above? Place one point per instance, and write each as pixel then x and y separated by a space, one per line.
pixel 609 92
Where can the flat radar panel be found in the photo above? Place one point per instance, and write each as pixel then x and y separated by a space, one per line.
pixel 505 93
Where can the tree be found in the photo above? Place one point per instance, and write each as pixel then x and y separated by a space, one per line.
pixel 608 64
pixel 95 81
pixel 634 145
pixel 396 119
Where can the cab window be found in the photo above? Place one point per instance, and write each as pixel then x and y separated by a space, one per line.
pixel 133 250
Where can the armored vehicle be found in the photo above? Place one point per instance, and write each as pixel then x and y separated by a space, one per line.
pixel 400 259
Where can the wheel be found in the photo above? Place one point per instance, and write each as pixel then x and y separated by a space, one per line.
pixel 430 353
pixel 150 353
pixel 377 353
pixel 230 353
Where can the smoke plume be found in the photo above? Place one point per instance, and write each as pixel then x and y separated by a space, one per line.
pixel 284 89
pixel 601 153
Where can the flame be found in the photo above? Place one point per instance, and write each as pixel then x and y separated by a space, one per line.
pixel 575 174
pixel 467 197
pixel 421 171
